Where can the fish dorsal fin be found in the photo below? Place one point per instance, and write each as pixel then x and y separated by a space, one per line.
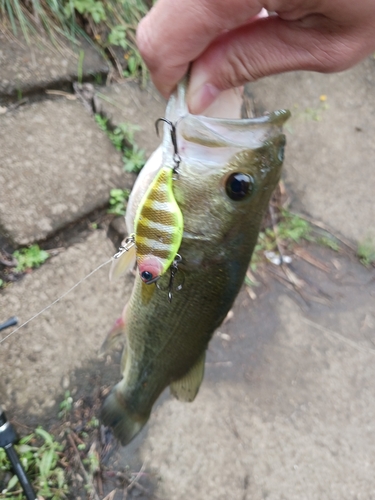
pixel 124 263
pixel 187 387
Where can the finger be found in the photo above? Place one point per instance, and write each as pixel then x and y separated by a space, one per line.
pixel 174 33
pixel 271 46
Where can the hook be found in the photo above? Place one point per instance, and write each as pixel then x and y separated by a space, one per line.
pixel 176 155
pixel 173 272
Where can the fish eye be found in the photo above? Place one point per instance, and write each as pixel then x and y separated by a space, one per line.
pixel 146 276
pixel 239 185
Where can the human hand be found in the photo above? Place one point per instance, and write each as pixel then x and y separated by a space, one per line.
pixel 229 43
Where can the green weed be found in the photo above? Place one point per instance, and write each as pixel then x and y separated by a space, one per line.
pixel 328 242
pixel 93 462
pixel 134 159
pixel 291 230
pixel 30 257
pixel 122 137
pixel 249 282
pixel 102 122
pixel 39 454
pixel 88 8
pixel 109 23
pixel 66 405
pixel 80 67
pixel 366 251
pixel 117 201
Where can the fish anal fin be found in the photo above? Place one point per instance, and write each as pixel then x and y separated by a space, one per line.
pixel 186 388
pixel 124 263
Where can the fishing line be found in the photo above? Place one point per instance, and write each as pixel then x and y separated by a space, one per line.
pixel 55 301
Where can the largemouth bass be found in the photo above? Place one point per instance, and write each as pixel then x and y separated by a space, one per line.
pixel 227 173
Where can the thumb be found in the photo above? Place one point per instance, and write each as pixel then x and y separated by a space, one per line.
pixel 265 47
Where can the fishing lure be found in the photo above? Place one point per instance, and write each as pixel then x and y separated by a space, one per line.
pixel 158 226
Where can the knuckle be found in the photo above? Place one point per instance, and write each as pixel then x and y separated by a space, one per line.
pixel 335 53
pixel 241 68
pixel 145 45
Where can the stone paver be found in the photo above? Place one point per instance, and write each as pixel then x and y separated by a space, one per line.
pixel 330 162
pixel 37 362
pixel 128 103
pixel 38 66
pixel 286 410
pixel 57 165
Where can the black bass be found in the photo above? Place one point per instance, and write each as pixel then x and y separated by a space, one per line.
pixel 227 173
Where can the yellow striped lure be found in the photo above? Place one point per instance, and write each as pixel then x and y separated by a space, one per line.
pixel 158 227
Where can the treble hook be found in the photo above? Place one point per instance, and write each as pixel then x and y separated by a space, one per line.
pixel 176 155
pixel 173 272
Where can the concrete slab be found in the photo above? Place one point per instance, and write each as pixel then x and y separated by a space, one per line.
pixel 129 103
pixel 287 406
pixel 26 69
pixel 330 153
pixel 57 165
pixel 37 362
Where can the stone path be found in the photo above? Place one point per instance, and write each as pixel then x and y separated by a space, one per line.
pixel 286 410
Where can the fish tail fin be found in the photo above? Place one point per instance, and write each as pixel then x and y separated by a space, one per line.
pixel 116 414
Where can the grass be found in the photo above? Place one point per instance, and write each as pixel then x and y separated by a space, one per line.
pixel 122 137
pixel 117 201
pixel 29 258
pixel 48 463
pixel 366 252
pixel 111 24
pixel 40 456
pixel 66 405
pixel 291 230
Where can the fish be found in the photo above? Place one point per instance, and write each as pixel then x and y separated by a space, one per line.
pixel 228 171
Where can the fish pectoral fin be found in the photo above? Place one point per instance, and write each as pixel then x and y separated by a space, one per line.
pixel 115 334
pixel 124 263
pixel 187 387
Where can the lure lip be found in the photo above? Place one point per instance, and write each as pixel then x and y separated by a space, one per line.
pixel 150 282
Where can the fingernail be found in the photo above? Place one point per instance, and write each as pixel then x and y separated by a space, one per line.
pixel 200 98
